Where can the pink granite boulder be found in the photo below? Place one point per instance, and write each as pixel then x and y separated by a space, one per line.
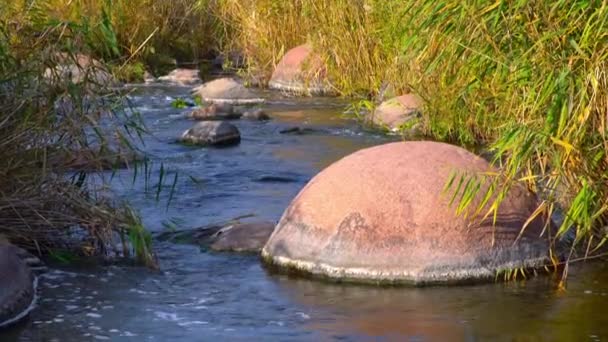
pixel 301 71
pixel 380 215
pixel 397 112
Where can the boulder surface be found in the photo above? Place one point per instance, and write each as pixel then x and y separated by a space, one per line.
pixel 212 133
pixel 300 71
pixel 381 215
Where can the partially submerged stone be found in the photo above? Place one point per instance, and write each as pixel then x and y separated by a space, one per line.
pixel 220 111
pixel 381 215
pixel 182 77
pixel 301 71
pixel 242 237
pixel 226 90
pixel 212 133
pixel 297 130
pixel 17 286
pixel 397 112
pixel 256 114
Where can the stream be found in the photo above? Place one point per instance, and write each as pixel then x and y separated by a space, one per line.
pixel 201 295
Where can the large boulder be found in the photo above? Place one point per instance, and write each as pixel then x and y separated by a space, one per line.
pixel 17 286
pixel 398 112
pixel 381 215
pixel 212 133
pixel 242 237
pixel 301 71
pixel 182 77
pixel 226 90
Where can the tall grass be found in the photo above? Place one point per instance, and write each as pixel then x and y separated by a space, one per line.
pixel 155 33
pixel 526 79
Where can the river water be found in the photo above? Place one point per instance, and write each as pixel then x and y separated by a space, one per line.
pixel 200 295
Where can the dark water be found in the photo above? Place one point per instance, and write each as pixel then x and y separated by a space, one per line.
pixel 201 296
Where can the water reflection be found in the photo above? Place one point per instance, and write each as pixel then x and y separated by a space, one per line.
pixel 526 310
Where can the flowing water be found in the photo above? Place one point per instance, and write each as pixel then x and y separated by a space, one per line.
pixel 199 295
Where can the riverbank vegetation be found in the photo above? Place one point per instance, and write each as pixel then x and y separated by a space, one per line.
pixel 527 80
pixel 57 110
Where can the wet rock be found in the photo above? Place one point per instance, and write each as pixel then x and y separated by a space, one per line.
pixel 219 111
pixel 212 133
pixel 301 71
pixel 182 77
pixel 78 69
pixel 226 90
pixel 242 237
pixel 256 114
pixel 397 112
pixel 17 286
pixel 389 220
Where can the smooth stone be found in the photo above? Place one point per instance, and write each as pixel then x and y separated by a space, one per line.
pixel 17 286
pixel 242 237
pixel 301 71
pixel 182 77
pixel 219 111
pixel 397 112
pixel 226 90
pixel 212 133
pixel 256 114
pixel 381 215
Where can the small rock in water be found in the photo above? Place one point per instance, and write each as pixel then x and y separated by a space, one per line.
pixel 242 237
pixel 226 90
pixel 182 77
pixel 256 114
pixel 220 111
pixel 212 133
pixel 297 130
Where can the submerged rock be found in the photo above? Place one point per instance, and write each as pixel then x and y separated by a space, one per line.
pixel 297 130
pixel 301 71
pixel 389 220
pixel 256 114
pixel 182 77
pixel 212 133
pixel 397 112
pixel 226 90
pixel 219 111
pixel 17 286
pixel 242 237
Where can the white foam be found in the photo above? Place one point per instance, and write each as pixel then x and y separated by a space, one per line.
pixel 167 316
